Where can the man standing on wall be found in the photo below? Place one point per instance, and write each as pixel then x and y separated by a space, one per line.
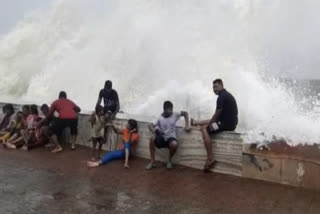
pixel 111 103
pixel 224 119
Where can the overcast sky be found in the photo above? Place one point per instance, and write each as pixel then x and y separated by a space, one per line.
pixel 11 11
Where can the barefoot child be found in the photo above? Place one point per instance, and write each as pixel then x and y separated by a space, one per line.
pixel 130 138
pixel 97 128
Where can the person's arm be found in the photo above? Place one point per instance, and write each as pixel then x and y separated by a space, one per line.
pixel 115 129
pixel 77 109
pixel 186 119
pixel 117 102
pixel 99 98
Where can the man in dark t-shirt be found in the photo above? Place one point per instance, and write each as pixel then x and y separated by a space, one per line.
pixel 224 119
pixel 110 99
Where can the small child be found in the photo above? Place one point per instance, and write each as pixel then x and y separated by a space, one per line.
pixel 130 137
pixel 97 127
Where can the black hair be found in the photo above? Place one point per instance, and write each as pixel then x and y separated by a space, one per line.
pixel 133 124
pixel 62 94
pixel 34 109
pixel 20 114
pixel 218 81
pixel 26 107
pixel 108 84
pixel 43 107
pixel 167 104
pixel 98 108
pixel 8 107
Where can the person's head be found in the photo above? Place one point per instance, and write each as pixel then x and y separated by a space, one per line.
pixel 217 86
pixel 19 116
pixel 26 110
pixel 8 109
pixel 132 125
pixel 44 109
pixel 167 109
pixel 62 95
pixel 108 85
pixel 34 109
pixel 99 110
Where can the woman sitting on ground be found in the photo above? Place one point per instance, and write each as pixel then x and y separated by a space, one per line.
pixel 27 135
pixel 15 127
pixel 130 138
pixel 8 112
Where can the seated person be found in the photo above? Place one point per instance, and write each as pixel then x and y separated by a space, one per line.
pixel 8 112
pixel 164 133
pixel 225 118
pixel 27 135
pixel 14 129
pixel 130 138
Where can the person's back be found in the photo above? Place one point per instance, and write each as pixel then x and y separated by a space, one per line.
pixel 229 114
pixel 65 108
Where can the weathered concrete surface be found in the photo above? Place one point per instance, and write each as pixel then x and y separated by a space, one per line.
pixel 41 182
pixel 297 166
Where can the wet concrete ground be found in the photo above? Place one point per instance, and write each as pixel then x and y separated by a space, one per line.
pixel 41 182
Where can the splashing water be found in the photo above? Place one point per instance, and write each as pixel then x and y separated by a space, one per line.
pixel 158 50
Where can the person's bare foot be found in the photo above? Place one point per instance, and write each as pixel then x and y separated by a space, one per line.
pixel 57 149
pixel 126 166
pixel 49 145
pixel 92 164
pixel 209 165
pixel 73 147
pixel 10 146
pixel 25 148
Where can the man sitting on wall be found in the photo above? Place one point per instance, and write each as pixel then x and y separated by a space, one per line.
pixel 224 119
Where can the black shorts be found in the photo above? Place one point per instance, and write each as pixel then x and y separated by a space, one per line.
pixel 162 143
pixel 59 125
pixel 214 128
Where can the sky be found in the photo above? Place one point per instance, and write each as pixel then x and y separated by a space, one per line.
pixel 11 11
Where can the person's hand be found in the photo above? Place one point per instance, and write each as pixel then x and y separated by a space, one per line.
pixel 133 130
pixel 113 116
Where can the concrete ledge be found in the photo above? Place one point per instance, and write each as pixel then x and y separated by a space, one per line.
pixel 296 166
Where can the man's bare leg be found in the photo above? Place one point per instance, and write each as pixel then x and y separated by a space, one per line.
pixel 127 153
pixel 58 148
pixel 199 122
pixel 73 141
pixel 173 147
pixel 208 145
pixel 152 147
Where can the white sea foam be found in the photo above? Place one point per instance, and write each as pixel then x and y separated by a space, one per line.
pixel 158 50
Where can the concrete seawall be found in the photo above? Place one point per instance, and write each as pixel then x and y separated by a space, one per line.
pixel 296 166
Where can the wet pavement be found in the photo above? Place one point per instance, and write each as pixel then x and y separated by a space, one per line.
pixel 41 182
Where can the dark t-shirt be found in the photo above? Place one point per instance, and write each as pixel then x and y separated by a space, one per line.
pixel 110 100
pixel 229 115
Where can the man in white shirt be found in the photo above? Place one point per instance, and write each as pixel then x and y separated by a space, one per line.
pixel 165 133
